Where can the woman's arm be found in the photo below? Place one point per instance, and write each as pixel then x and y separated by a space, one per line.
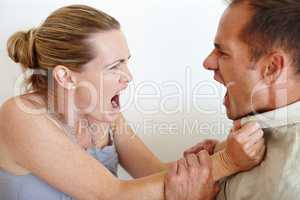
pixel 40 147
pixel 237 155
pixel 134 155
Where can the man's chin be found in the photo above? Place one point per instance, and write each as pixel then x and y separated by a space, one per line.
pixel 229 115
pixel 236 115
pixel 232 115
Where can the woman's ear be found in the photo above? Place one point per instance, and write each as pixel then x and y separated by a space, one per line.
pixel 63 77
pixel 273 68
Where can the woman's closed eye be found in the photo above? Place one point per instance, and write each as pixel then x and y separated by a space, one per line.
pixel 115 66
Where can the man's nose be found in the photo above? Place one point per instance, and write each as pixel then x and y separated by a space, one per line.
pixel 211 61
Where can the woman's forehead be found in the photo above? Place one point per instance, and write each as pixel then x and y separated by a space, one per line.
pixel 109 46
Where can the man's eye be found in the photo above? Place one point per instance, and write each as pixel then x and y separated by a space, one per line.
pixel 222 53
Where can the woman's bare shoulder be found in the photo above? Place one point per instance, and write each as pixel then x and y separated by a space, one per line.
pixel 28 104
pixel 35 144
pixel 20 113
pixel 13 114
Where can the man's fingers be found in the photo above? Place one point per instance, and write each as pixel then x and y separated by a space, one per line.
pixel 192 161
pixel 193 149
pixel 181 166
pixel 207 145
pixel 174 168
pixel 204 159
pixel 210 145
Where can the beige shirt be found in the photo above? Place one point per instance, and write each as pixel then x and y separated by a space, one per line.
pixel 278 176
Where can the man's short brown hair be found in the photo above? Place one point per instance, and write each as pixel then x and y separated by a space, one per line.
pixel 274 24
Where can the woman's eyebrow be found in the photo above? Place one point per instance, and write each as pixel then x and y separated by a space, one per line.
pixel 118 61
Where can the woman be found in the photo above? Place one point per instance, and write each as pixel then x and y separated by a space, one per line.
pixel 65 137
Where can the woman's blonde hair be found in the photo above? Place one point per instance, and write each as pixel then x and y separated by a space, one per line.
pixel 60 40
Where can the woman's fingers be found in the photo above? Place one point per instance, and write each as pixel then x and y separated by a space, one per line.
pixel 243 134
pixel 257 150
pixel 244 145
pixel 236 125
pixel 257 136
pixel 261 154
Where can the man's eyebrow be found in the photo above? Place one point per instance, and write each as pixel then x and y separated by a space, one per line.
pixel 220 47
pixel 118 61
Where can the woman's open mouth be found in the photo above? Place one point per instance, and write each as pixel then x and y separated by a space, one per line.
pixel 115 102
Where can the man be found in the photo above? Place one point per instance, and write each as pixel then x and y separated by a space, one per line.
pixel 257 57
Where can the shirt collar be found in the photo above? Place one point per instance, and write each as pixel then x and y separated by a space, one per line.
pixel 287 115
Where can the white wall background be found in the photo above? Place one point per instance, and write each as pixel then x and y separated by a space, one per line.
pixel 168 40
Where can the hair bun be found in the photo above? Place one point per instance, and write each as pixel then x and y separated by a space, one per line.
pixel 21 48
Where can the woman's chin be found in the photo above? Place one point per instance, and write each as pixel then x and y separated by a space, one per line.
pixel 106 117
pixel 111 116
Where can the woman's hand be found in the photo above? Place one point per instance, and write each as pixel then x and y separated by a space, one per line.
pixel 191 179
pixel 245 145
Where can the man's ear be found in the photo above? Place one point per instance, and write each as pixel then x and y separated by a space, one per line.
pixel 64 77
pixel 273 67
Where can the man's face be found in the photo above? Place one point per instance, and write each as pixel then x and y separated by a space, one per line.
pixel 232 66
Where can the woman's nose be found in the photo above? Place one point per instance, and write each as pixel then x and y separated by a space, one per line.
pixel 126 76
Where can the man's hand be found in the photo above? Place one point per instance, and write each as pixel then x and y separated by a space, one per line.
pixel 208 145
pixel 245 145
pixel 191 179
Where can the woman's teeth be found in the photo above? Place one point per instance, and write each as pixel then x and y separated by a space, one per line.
pixel 115 105
pixel 115 101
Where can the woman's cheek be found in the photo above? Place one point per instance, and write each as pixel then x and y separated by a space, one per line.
pixel 83 98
